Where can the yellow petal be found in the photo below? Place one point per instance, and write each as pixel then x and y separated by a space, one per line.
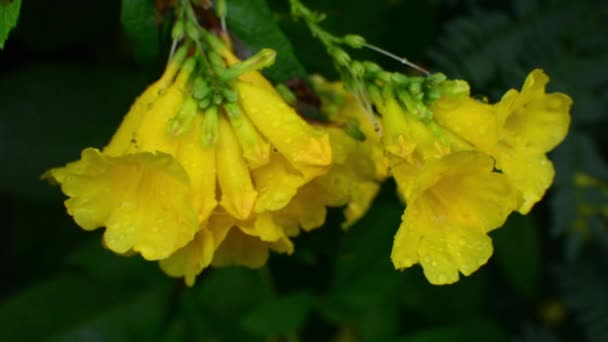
pixel 122 138
pixel 307 210
pixel 199 162
pixel 263 227
pixel 469 250
pixel 239 248
pixel 276 182
pixel 452 204
pixel 256 149
pixel 238 194
pixel 471 120
pixel 190 260
pixel 530 172
pixel 539 120
pixel 306 148
pixel 142 199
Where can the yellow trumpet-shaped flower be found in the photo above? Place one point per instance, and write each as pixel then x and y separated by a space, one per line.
pixel 532 123
pixel 517 132
pixel 192 182
pixel 149 189
pixel 454 202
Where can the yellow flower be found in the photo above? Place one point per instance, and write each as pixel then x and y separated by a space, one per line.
pixel 517 132
pixel 143 187
pixel 191 187
pixel 532 123
pixel 453 203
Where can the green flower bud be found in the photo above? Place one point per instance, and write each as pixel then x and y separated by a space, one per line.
pixel 200 88
pixel 230 95
pixel 177 33
pixel 180 123
pixel 354 41
pixel 192 31
pixel 340 56
pixel 286 94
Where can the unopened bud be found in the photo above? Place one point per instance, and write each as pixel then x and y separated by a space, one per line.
pixel 180 123
pixel 177 33
pixel 230 95
pixel 354 41
pixel 200 88
pixel 286 94
pixel 192 31
pixel 210 126
pixel 357 69
pixel 260 60
pixel 340 56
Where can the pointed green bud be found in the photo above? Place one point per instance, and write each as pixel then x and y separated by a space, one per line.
pixel 216 43
pixel 260 60
pixel 455 88
pixel 180 54
pixel 217 62
pixel 431 95
pixel 436 77
pixel 217 98
pixel 415 87
pixel 286 94
pixel 354 41
pixel 400 79
pixel 407 100
pixel 200 88
pixel 340 56
pixel 357 69
pixel 204 103
pixel 192 31
pixel 210 126
pixel 186 71
pixel 230 95
pixel 221 9
pixel 177 33
pixel 371 68
pixel 233 110
pixel 180 123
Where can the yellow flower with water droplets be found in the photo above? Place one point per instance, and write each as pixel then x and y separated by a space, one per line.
pixel 191 184
pixel 532 123
pixel 453 203
pixel 517 132
pixel 146 187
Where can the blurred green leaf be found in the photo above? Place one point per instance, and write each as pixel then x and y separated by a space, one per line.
pixel 138 18
pixel 280 316
pixel 98 262
pixel 517 251
pixel 253 23
pixel 223 298
pixel 9 14
pixel 50 113
pixel 71 305
pixel 482 331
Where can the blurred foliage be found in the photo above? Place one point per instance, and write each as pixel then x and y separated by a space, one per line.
pixel 69 72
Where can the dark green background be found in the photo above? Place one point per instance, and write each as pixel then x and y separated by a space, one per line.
pixel 70 70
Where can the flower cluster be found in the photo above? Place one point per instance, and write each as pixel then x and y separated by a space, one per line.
pixel 462 166
pixel 213 166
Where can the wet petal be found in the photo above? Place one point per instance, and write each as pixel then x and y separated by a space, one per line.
pixel 142 199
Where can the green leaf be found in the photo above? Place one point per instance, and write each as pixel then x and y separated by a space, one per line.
pixel 222 298
pixel 9 14
pixel 253 23
pixel 517 252
pixel 281 316
pixel 75 306
pixel 139 22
